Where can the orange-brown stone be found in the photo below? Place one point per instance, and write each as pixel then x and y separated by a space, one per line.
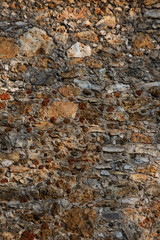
pixel 62 109
pixel 141 138
pixel 69 91
pixel 142 40
pixel 8 48
pixel 81 221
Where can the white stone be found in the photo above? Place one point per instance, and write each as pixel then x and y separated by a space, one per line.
pixel 113 149
pixel 130 201
pixel 118 235
pixel 118 87
pixel 105 173
pixel 35 41
pixel 79 50
pixel 6 163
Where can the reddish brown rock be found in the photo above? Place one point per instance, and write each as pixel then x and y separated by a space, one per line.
pixel 142 40
pixel 26 235
pixel 141 138
pixel 81 221
pixel 8 48
pixel 2 105
pixel 4 96
pixel 62 109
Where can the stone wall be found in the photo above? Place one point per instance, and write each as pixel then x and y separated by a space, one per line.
pixel 79 119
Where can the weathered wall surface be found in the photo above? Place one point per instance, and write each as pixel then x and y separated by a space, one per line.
pixel 79 120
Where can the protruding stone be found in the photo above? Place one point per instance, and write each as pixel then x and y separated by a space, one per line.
pixel 62 109
pixel 141 138
pixel 90 36
pixel 113 149
pixel 150 2
pixel 69 91
pixel 142 40
pixel 81 221
pixel 107 22
pixel 8 48
pixel 138 177
pixel 35 41
pixel 79 50
pixel 154 13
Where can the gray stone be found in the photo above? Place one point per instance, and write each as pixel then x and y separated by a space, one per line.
pixel 113 149
pixel 118 235
pixel 154 13
pixel 111 216
pixel 5 144
pixel 105 173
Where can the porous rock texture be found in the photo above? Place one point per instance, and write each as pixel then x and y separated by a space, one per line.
pixel 79 120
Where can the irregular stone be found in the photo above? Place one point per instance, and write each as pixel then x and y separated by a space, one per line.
pixel 150 2
pixel 130 201
pixel 79 50
pixel 4 96
pixel 118 235
pixel 46 63
pixel 27 235
pixel 90 36
pixel 73 13
pixel 8 48
pixel 153 189
pixel 6 163
pixel 117 116
pixel 36 41
pixel 5 144
pixel 113 149
pixel 106 22
pixel 114 40
pixel 125 190
pixel 21 141
pixel 62 109
pixel 93 63
pixel 18 169
pixel 111 216
pixel 142 40
pixel 138 177
pixel 141 160
pixel 105 173
pixel 118 87
pixel 149 170
pixel 81 195
pixel 9 194
pixel 155 92
pixel 154 13
pixel 55 209
pixel 81 221
pixel 69 91
pixel 141 138
pixel 90 114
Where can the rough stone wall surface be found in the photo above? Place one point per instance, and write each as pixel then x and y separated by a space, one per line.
pixel 79 119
